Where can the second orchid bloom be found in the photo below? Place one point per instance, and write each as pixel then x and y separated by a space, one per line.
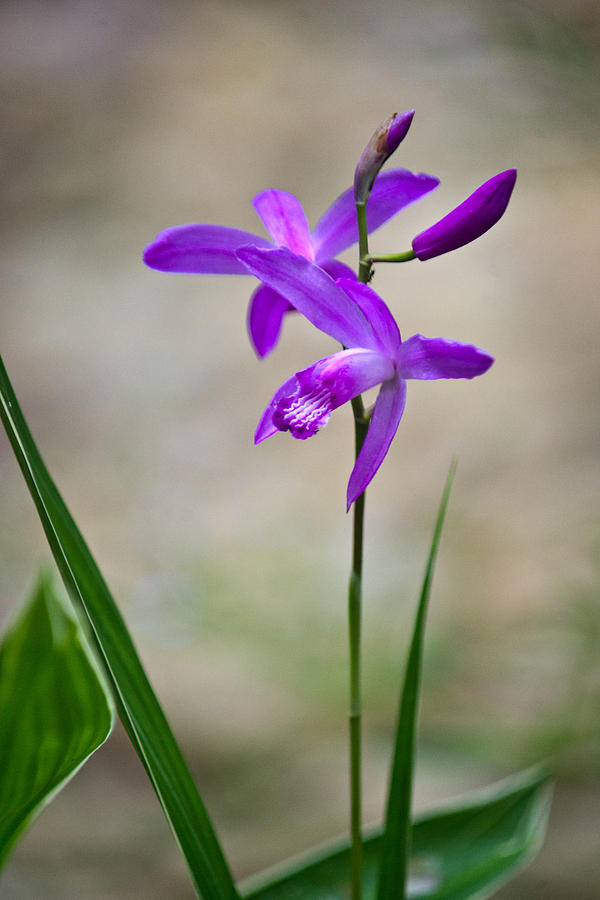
pixel 357 317
pixel 210 249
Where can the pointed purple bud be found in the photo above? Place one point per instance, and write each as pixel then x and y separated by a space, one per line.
pixel 469 220
pixel 381 146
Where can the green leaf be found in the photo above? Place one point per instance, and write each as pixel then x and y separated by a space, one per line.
pixel 396 837
pixel 54 708
pixel 138 707
pixel 464 851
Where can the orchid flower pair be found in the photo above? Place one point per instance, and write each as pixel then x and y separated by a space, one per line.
pixel 298 271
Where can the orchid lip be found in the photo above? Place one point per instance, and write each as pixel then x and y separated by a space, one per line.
pixel 303 414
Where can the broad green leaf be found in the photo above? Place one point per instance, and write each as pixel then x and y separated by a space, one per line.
pixel 396 835
pixel 138 707
pixel 54 709
pixel 464 851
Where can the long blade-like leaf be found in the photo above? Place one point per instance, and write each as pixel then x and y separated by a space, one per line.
pixel 138 707
pixel 55 709
pixel 396 836
pixel 463 852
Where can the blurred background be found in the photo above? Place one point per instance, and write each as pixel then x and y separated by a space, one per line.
pixel 123 117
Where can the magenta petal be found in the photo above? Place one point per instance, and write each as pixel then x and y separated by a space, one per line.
pixel 347 374
pixel 266 428
pixel 428 358
pixel 311 291
pixel 337 229
pixel 283 217
pixel 337 269
pixel 387 413
pixel 469 220
pixel 200 250
pixel 265 314
pixel 385 329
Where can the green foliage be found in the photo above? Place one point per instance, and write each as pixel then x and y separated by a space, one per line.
pixel 138 707
pixel 54 708
pixel 465 851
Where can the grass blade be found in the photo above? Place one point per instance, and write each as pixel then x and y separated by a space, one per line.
pixel 396 836
pixel 138 707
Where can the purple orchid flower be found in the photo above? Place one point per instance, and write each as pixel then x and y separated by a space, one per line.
pixel 470 220
pixel 210 249
pixel 353 314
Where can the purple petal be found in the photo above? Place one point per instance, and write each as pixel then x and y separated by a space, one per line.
pixel 266 428
pixel 308 402
pixel 265 314
pixel 283 217
pixel 384 141
pixel 337 269
pixel 312 292
pixel 428 358
pixel 337 229
pixel 200 250
pixel 469 220
pixel 387 413
pixel 385 329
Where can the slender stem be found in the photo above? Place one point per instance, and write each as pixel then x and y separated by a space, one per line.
pixel 407 256
pixel 355 709
pixel 361 424
pixel 364 268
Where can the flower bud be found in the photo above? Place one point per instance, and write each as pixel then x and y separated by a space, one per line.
pixel 381 146
pixel 469 220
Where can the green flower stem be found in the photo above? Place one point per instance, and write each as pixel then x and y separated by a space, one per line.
pixel 407 256
pixel 364 268
pixel 361 424
pixel 355 710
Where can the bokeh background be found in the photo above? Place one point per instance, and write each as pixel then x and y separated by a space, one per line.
pixel 122 117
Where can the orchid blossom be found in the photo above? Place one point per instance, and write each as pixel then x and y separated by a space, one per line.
pixel 211 249
pixel 373 354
